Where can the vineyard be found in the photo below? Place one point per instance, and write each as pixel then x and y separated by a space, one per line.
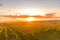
pixel 29 31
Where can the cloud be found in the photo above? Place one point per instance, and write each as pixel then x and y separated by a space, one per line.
pixel 2 13
pixel 1 5
pixel 9 10
pixel 50 15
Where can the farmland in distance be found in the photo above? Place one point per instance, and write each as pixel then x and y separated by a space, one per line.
pixel 36 30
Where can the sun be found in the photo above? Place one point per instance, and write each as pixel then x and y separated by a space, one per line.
pixel 30 19
pixel 31 12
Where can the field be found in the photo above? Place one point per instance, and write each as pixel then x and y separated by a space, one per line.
pixel 29 31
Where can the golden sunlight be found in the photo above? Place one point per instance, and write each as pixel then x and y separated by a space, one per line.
pixel 30 19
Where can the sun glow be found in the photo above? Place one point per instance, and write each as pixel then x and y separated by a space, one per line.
pixel 31 12
pixel 30 19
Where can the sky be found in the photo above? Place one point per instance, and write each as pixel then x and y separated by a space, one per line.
pixel 42 6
